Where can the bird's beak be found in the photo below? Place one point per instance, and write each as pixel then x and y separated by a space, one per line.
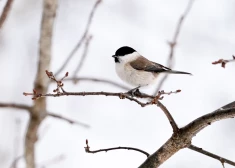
pixel 114 56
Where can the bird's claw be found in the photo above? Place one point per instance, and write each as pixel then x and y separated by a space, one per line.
pixel 134 92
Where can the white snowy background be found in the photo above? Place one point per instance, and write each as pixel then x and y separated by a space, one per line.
pixel 207 35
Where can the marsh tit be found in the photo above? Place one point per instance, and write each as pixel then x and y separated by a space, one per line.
pixel 137 70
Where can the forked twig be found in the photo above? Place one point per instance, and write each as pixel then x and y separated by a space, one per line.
pixel 224 62
pixel 59 91
pixel 87 43
pixel 173 43
pixel 78 45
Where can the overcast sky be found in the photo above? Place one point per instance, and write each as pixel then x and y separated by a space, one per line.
pixel 207 35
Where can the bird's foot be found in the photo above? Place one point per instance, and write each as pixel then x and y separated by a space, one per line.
pixel 134 92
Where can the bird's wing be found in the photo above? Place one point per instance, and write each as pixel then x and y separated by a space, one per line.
pixel 144 64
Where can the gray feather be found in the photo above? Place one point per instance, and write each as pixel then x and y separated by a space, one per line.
pixel 177 72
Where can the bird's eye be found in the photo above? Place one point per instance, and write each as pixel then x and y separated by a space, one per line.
pixel 116 60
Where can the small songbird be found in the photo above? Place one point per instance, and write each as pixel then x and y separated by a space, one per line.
pixel 137 70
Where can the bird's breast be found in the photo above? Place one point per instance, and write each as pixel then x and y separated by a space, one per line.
pixel 134 77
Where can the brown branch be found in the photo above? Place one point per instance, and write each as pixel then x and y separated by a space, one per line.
pixel 224 62
pixel 67 120
pixel 173 43
pixel 5 12
pixel 87 149
pixel 200 123
pixel 78 45
pixel 169 116
pixel 183 137
pixel 41 81
pixel 204 152
pixel 59 91
pixel 15 106
pixel 120 95
pixel 87 43
pixel 93 79
pixel 18 128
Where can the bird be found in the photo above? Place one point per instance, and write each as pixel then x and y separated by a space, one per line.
pixel 136 70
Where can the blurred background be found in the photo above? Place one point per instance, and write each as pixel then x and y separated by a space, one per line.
pixel 206 36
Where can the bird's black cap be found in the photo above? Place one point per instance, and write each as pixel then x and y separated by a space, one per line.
pixel 124 51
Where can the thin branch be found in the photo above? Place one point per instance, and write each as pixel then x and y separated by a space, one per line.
pixel 204 152
pixel 78 45
pixel 224 62
pixel 15 161
pixel 52 161
pixel 18 127
pixel 15 106
pixel 68 120
pixel 93 79
pixel 169 117
pixel 5 12
pixel 38 112
pixel 41 165
pixel 120 95
pixel 59 91
pixel 87 43
pixel 173 43
pixel 87 149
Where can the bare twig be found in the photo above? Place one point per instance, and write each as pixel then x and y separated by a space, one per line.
pixel 38 112
pixel 78 45
pixel 87 43
pixel 41 165
pixel 224 62
pixel 5 12
pixel 54 160
pixel 169 116
pixel 68 120
pixel 87 149
pixel 120 95
pixel 93 79
pixel 60 85
pixel 15 106
pixel 18 125
pixel 204 152
pixel 15 161
pixel 173 43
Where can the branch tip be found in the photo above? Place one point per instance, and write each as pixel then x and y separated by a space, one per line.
pixel 87 149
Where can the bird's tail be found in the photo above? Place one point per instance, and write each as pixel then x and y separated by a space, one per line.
pixel 177 72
